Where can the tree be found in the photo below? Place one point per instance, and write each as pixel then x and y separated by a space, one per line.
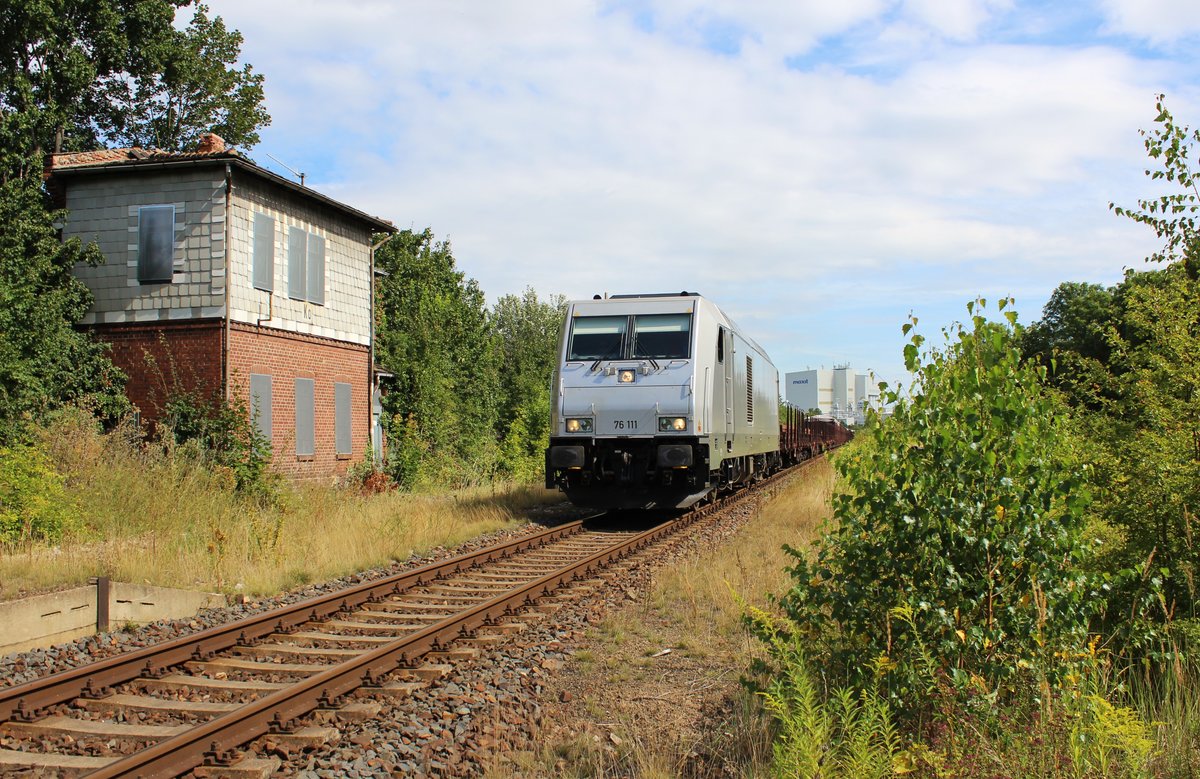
pixel 75 74
pixel 1173 215
pixel 527 330
pixel 1147 434
pixel 1073 341
pixel 44 362
pixel 57 55
pixel 433 333
pixel 196 89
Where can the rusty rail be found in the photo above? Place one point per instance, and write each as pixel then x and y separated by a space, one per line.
pixel 23 702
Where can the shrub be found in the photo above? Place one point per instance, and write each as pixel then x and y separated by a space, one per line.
pixel 955 561
pixel 224 432
pixel 34 505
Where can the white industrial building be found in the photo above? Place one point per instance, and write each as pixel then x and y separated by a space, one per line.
pixel 837 392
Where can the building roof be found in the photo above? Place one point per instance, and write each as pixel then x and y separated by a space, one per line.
pixel 212 151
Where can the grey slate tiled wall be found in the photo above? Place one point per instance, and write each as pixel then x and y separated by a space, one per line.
pixel 346 313
pixel 105 209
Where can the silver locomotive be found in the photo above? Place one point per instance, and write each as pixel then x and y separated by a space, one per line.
pixel 659 401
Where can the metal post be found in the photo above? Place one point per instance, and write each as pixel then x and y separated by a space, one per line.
pixel 103 599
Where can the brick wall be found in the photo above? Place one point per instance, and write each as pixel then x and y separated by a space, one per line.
pixel 285 357
pixel 158 357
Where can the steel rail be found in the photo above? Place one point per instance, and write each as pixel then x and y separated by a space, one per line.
pixel 217 736
pixel 24 702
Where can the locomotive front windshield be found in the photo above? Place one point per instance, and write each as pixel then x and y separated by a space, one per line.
pixel 662 336
pixel 597 337
pixel 640 336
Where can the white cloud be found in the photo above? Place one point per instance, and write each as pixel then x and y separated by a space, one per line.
pixel 955 19
pixel 1159 21
pixel 570 149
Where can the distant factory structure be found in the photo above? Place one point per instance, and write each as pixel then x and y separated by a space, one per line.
pixel 837 392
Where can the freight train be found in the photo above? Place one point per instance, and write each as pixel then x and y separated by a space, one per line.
pixel 661 401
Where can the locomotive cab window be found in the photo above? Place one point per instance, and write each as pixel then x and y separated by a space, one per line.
pixel 597 337
pixel 662 336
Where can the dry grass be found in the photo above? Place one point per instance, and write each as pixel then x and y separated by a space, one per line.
pixel 701 592
pixel 167 519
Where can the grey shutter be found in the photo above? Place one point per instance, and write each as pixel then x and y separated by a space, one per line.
pixel 260 403
pixel 156 243
pixel 316 269
pixel 305 438
pixel 264 252
pixel 342 419
pixel 297 260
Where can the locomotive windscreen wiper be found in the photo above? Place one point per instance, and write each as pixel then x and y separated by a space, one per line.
pixel 609 355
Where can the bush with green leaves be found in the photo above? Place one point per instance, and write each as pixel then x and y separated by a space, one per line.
pixel 34 504
pixel 224 432
pixel 955 561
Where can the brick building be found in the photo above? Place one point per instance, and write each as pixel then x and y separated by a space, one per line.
pixel 224 278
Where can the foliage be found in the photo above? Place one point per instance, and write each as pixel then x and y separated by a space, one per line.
pixel 77 73
pixel 846 733
pixel 1172 216
pixel 1145 436
pixel 527 331
pixel 223 430
pixel 434 336
pixel 194 89
pixel 44 362
pixel 367 477
pixel 34 504
pixel 959 539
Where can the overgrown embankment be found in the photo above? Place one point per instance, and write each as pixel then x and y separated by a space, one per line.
pixel 84 503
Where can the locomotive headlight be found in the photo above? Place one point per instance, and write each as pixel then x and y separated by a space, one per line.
pixel 579 425
pixel 625 377
pixel 672 424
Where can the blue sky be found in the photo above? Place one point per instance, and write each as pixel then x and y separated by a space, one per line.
pixel 818 169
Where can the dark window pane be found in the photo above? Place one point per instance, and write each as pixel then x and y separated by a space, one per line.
pixel 156 243
pixel 316 269
pixel 260 403
pixel 342 418
pixel 305 438
pixel 662 336
pixel 596 337
pixel 264 252
pixel 297 262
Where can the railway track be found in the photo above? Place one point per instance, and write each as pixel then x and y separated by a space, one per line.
pixel 192 703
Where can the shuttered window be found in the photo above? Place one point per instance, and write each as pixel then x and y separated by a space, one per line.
pixel 156 244
pixel 342 418
pixel 306 266
pixel 305 438
pixel 260 403
pixel 297 263
pixel 749 390
pixel 264 252
pixel 316 269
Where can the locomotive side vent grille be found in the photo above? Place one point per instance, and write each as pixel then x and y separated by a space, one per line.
pixel 749 390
